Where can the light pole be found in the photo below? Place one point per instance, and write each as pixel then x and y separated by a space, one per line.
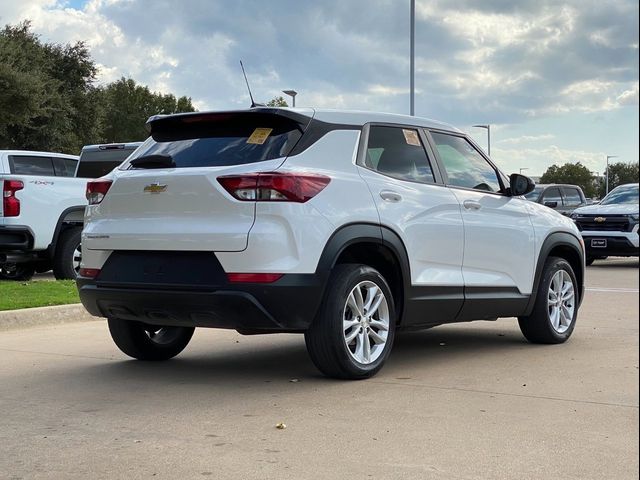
pixel 292 94
pixel 606 190
pixel 412 68
pixel 523 169
pixel 488 128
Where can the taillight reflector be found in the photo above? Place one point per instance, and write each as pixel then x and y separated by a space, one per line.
pixel 253 277
pixel 274 187
pixel 11 204
pixel 89 272
pixel 96 190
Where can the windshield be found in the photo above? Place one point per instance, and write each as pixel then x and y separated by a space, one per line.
pixel 533 194
pixel 622 195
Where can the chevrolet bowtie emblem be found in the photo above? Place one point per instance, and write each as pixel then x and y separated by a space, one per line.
pixel 155 188
pixel 600 219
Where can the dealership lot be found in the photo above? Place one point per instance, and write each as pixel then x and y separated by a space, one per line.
pixel 464 401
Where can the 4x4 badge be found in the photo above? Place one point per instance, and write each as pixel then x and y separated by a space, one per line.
pixel 600 219
pixel 155 188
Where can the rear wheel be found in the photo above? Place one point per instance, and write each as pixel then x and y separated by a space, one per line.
pixel 66 263
pixel 554 314
pixel 353 333
pixel 149 342
pixel 17 271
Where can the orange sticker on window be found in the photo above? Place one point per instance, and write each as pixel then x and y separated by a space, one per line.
pixel 411 137
pixel 259 136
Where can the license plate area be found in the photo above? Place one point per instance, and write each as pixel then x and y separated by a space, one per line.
pixel 599 243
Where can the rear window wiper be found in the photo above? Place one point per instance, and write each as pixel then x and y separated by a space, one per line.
pixel 153 161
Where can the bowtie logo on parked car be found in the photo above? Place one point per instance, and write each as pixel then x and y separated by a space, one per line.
pixel 600 219
pixel 155 188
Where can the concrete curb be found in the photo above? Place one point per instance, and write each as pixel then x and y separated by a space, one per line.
pixel 34 317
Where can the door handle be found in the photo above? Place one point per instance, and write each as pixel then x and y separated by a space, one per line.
pixel 389 196
pixel 471 205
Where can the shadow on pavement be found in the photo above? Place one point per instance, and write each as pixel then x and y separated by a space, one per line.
pixel 264 364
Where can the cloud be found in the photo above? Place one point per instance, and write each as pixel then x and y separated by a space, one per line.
pixel 537 160
pixel 526 139
pixel 496 61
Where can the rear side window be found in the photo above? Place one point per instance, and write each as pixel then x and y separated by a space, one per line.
pixel 399 153
pixel 31 165
pixel 222 139
pixel 571 196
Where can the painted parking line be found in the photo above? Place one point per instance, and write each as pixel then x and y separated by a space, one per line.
pixel 612 290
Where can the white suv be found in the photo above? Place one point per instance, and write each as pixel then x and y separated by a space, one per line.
pixel 344 226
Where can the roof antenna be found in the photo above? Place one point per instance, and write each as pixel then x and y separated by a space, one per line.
pixel 253 103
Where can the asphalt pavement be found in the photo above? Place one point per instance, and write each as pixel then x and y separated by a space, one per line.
pixel 465 401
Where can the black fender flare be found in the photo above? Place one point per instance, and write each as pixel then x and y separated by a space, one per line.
pixel 51 249
pixel 354 233
pixel 556 239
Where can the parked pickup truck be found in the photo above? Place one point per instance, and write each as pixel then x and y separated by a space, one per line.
pixel 42 209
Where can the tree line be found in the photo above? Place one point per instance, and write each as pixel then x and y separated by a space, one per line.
pixel 49 99
pixel 592 186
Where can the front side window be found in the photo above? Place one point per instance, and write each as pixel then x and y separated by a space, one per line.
pixel 399 153
pixel 64 167
pixel 31 165
pixel 464 165
pixel 552 195
pixel 571 197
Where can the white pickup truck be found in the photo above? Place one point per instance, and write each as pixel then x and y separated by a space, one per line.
pixel 42 208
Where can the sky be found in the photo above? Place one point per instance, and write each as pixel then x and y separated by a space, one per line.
pixel 557 81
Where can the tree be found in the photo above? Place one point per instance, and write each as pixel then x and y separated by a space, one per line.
pixel 573 174
pixel 49 100
pixel 619 174
pixel 43 89
pixel 128 105
pixel 277 102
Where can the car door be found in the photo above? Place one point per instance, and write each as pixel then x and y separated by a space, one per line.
pixel 412 201
pixel 499 243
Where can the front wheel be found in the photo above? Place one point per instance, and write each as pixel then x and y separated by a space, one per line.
pixel 353 333
pixel 556 308
pixel 149 342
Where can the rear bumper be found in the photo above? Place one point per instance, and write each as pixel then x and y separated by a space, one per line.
pixel 290 304
pixel 15 238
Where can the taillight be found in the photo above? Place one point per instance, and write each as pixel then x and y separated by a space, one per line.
pixel 253 277
pixel 274 187
pixel 11 204
pixel 96 190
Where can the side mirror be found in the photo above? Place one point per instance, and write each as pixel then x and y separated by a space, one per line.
pixel 551 204
pixel 520 185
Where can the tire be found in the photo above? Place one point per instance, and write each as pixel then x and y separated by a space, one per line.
pixel 328 341
pixel 550 322
pixel 20 272
pixel 66 261
pixel 149 342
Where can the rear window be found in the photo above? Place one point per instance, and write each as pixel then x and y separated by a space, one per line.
pixel 97 163
pixel 222 139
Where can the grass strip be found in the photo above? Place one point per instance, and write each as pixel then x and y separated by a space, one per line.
pixel 39 293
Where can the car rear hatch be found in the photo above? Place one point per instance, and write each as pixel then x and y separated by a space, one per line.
pixel 169 198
